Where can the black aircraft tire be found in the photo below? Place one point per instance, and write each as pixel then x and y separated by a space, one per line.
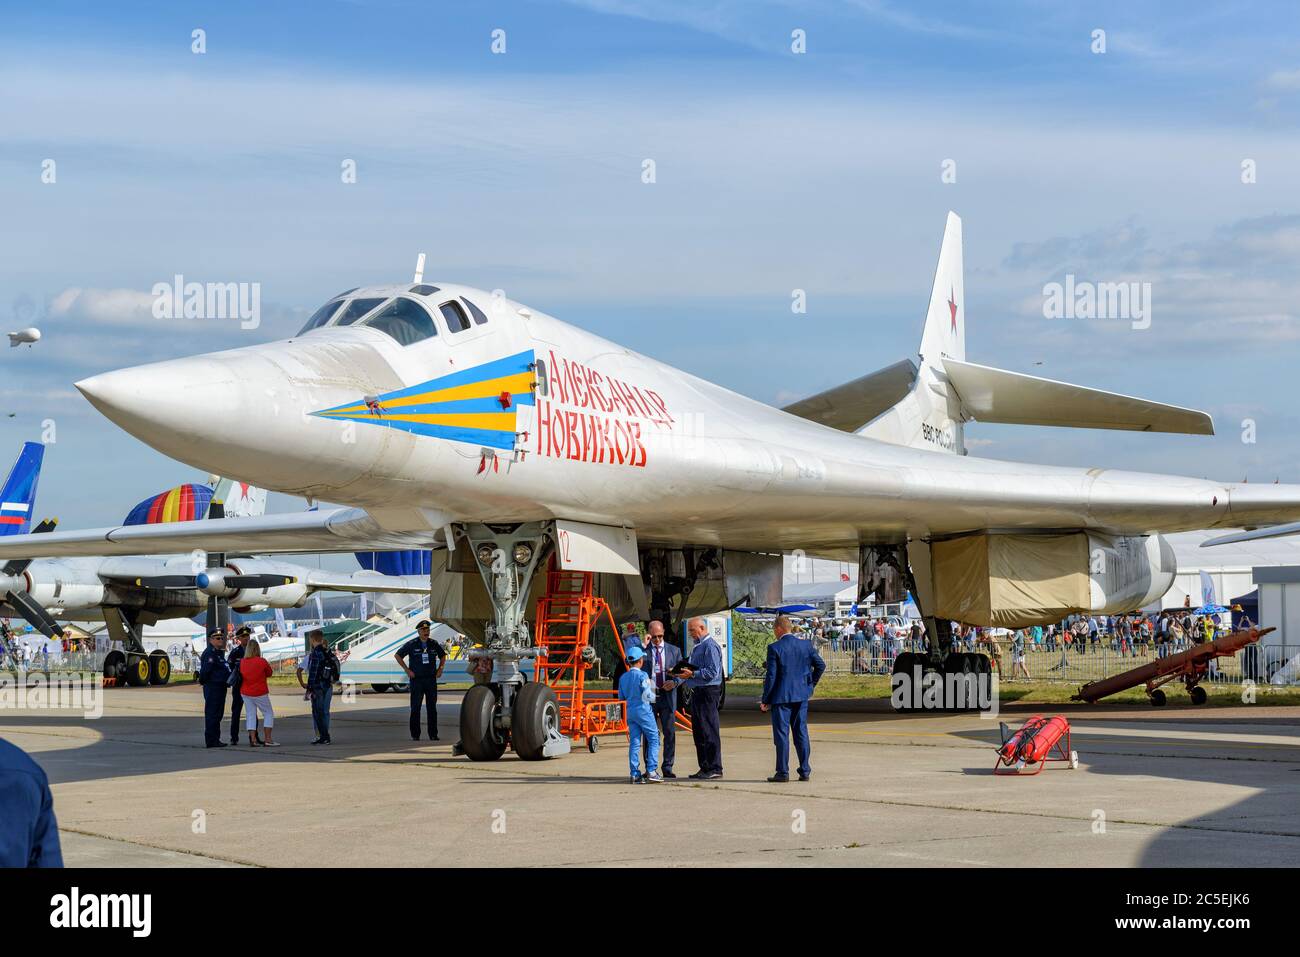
pixel 1197 694
pixel 480 741
pixel 1157 699
pixel 137 670
pixel 958 663
pixel 536 710
pixel 904 661
pixel 160 668
pixel 115 667
pixel 379 689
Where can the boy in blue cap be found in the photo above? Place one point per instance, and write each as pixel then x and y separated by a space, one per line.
pixel 637 690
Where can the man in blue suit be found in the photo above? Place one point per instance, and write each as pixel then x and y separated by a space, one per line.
pixel 793 670
pixel 661 658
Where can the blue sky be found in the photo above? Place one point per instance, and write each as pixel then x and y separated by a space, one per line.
pixel 775 172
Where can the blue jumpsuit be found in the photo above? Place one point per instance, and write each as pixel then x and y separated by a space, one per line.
pixel 637 690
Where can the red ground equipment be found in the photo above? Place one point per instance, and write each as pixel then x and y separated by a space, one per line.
pixel 1191 665
pixel 1040 741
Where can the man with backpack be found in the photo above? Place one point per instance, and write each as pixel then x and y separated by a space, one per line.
pixel 323 669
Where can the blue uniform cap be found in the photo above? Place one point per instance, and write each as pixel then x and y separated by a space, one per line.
pixel 635 653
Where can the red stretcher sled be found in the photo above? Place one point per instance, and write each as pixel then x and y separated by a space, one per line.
pixel 1039 742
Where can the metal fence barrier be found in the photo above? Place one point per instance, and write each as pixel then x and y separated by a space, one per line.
pixel 1073 664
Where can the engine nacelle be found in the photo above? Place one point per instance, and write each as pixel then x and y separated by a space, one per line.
pixel 225 583
pixel 1127 572
pixel 1013 580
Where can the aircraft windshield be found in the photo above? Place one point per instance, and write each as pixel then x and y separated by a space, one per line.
pixel 355 310
pixel 405 320
pixel 321 316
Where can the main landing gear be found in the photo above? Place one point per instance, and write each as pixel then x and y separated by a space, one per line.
pixel 132 664
pixel 503 708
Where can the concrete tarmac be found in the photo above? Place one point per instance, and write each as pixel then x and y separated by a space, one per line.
pixel 1182 786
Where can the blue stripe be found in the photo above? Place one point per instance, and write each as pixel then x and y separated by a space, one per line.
pixel 492 438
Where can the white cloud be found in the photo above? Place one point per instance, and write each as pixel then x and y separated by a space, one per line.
pixel 114 306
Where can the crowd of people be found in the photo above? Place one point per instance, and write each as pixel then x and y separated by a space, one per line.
pixel 874 643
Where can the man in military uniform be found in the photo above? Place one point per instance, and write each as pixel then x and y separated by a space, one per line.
pixel 426 659
pixel 214 672
pixel 236 699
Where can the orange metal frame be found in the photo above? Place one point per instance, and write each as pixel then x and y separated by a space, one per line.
pixel 566 615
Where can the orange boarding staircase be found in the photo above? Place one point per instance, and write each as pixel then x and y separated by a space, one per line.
pixel 567 613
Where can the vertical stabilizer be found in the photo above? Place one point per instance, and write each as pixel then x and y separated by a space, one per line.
pixel 929 417
pixel 18 497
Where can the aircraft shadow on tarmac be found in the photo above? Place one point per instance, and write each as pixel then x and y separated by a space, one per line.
pixel 164 744
pixel 1185 744
pixel 1174 744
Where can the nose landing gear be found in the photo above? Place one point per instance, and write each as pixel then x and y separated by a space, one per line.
pixel 503 708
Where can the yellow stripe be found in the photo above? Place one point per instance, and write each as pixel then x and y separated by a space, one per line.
pixel 170 505
pixel 494 421
pixel 520 382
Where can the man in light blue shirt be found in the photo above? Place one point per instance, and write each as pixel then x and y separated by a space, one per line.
pixel 703 673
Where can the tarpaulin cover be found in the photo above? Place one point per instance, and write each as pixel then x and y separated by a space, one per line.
pixel 1011 581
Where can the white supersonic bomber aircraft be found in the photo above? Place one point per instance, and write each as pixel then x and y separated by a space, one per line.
pixel 449 418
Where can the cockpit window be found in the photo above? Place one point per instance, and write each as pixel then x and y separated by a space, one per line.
pixel 475 311
pixel 457 321
pixel 424 289
pixel 321 316
pixel 355 310
pixel 405 320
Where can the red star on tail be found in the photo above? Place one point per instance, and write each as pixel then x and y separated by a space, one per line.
pixel 952 308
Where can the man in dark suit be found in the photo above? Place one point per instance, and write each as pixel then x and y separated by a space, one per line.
pixel 660 659
pixel 242 637
pixel 793 670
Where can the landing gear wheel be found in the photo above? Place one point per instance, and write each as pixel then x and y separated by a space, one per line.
pixel 1197 694
pixel 482 742
pixel 1157 698
pixel 536 713
pixel 137 670
pixel 379 689
pixel 593 744
pixel 160 668
pixel 959 663
pixel 905 661
pixel 115 667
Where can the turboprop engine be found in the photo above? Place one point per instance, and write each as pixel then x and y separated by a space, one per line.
pixel 253 582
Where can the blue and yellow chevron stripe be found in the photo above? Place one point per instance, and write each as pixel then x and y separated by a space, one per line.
pixel 463 406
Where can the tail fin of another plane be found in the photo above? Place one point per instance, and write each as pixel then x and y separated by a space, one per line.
pixel 18 497
pixel 929 416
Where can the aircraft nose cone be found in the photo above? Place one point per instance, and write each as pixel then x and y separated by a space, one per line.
pixel 242 413
pixel 161 401
pixel 129 397
pixel 223 412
